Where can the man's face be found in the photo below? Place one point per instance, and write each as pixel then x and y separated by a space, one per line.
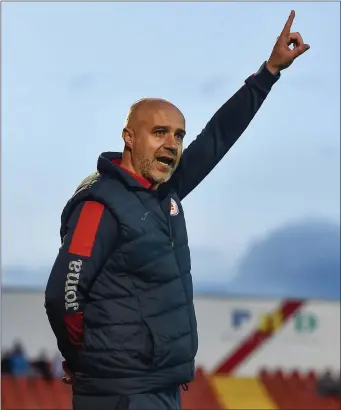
pixel 157 142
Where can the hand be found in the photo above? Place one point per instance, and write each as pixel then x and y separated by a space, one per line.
pixel 282 55
pixel 67 379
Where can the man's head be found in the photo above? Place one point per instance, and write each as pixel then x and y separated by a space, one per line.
pixel 153 136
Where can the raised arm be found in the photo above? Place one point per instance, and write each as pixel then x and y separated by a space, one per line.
pixel 232 119
pixel 221 132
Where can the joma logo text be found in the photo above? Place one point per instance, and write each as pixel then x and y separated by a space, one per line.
pixel 71 285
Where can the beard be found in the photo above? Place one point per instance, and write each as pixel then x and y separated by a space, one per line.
pixel 153 171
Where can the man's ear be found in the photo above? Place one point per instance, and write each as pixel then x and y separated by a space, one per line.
pixel 128 137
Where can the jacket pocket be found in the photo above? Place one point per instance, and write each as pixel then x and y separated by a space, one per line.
pixel 147 344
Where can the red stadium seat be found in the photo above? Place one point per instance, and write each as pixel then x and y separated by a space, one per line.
pixel 296 391
pixel 290 391
pixel 200 395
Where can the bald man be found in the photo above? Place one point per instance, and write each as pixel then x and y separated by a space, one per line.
pixel 119 297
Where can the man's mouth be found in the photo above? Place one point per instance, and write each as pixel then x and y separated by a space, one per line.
pixel 166 161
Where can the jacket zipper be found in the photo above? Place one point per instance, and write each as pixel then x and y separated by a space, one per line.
pixel 171 239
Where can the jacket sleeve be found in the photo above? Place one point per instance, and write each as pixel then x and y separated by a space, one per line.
pixel 92 232
pixel 221 132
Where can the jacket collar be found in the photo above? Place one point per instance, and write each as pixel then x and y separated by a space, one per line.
pixel 109 163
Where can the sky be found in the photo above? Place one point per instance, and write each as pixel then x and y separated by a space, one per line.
pixel 70 71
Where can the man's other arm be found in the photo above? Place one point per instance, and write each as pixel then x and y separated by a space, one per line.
pixel 221 132
pixel 91 235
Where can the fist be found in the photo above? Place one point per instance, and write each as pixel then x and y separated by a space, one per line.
pixel 282 55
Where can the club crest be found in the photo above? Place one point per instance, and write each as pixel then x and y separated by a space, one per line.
pixel 174 209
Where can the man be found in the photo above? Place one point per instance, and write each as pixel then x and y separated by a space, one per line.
pixel 119 298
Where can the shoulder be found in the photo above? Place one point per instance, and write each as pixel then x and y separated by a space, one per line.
pixel 88 182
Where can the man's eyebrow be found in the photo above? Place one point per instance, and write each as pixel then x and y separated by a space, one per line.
pixel 167 128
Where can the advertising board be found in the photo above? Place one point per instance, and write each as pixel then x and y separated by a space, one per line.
pixel 237 336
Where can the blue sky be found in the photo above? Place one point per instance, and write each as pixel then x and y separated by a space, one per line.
pixel 71 70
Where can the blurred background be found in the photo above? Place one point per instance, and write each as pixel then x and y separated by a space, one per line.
pixel 264 227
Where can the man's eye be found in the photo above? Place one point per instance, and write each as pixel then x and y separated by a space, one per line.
pixel 159 133
pixel 180 137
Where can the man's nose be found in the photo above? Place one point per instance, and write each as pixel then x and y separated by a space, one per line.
pixel 171 142
pixel 172 149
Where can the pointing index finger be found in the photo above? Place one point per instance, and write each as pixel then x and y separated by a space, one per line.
pixel 288 24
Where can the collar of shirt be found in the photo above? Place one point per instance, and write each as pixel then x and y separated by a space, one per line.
pixel 143 181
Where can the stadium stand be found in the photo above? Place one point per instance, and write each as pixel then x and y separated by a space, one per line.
pixel 18 393
pixel 272 390
pixel 32 371
pixel 296 390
